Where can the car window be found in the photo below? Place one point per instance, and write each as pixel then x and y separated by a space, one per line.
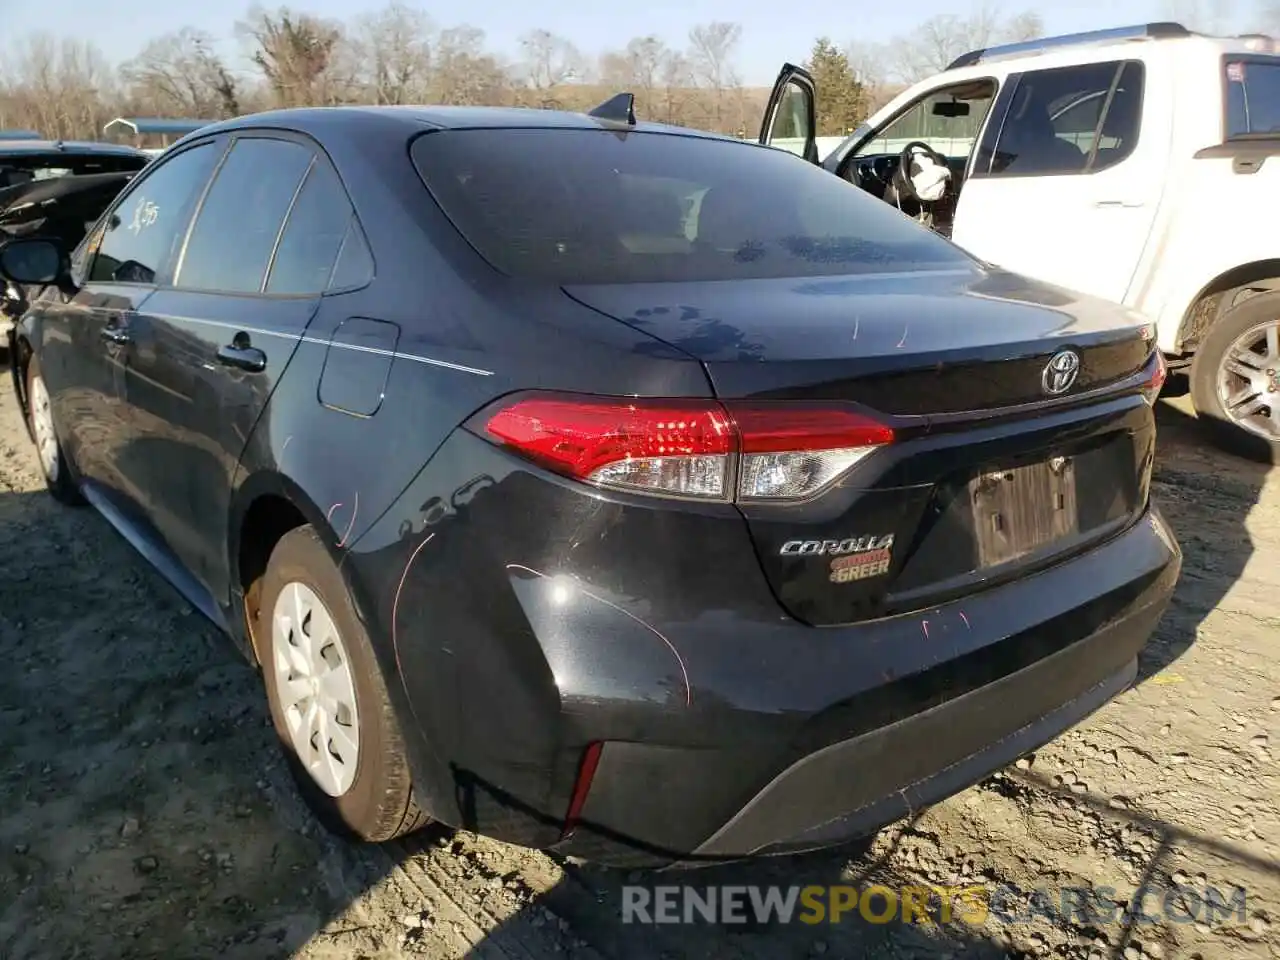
pixel 142 235
pixel 312 235
pixel 355 263
pixel 949 120
pixel 1253 97
pixel 590 206
pixel 1071 120
pixel 240 218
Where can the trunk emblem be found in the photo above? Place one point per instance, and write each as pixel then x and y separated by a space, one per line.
pixel 835 548
pixel 1060 372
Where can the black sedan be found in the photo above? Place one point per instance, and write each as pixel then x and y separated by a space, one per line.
pixel 604 487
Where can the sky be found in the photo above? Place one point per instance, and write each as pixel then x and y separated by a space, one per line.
pixel 771 32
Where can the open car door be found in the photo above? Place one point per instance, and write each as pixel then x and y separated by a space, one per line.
pixel 789 118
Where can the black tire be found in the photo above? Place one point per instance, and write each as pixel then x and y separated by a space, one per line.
pixel 379 804
pixel 62 483
pixel 1216 422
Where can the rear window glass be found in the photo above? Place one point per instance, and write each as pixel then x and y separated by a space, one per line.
pixel 1253 97
pixel 596 206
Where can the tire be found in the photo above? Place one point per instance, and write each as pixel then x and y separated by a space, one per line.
pixel 59 475
pixel 371 796
pixel 1212 384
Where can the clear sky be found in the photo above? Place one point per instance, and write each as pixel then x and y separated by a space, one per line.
pixel 772 32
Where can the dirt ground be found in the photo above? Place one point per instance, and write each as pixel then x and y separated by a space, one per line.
pixel 146 813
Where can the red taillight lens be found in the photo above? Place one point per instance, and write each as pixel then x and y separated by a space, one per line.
pixel 1160 373
pixel 689 448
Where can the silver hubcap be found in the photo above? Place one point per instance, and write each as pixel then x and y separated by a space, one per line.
pixel 42 427
pixel 1249 380
pixel 315 687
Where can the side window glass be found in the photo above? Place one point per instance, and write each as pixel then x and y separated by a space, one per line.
pixel 355 263
pixel 949 120
pixel 312 235
pixel 1060 121
pixel 241 216
pixel 790 128
pixel 1253 97
pixel 142 235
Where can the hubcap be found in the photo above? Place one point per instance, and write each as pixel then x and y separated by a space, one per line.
pixel 1249 380
pixel 315 687
pixel 42 427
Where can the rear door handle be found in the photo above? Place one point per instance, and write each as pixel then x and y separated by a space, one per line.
pixel 1118 204
pixel 242 355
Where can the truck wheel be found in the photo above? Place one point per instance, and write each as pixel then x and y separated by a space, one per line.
pixel 1235 379
pixel 328 701
pixel 58 477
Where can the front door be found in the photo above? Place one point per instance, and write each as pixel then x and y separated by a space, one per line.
pixel 1070 176
pixel 212 345
pixel 790 118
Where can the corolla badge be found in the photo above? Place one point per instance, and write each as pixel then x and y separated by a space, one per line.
pixel 1060 372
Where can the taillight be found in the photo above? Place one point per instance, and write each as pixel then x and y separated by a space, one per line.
pixel 1159 373
pixel 699 449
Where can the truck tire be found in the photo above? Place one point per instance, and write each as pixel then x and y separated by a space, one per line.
pixel 1235 379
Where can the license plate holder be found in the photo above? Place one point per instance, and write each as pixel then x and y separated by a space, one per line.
pixel 1023 509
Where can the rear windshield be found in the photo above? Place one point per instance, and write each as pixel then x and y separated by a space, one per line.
pixel 1253 96
pixel 595 206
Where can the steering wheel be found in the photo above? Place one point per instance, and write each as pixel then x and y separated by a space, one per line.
pixel 902 176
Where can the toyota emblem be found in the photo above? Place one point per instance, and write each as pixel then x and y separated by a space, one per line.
pixel 1061 372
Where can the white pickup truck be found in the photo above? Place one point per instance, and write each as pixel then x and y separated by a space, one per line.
pixel 1140 164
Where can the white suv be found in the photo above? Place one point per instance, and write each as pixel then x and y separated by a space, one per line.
pixel 1140 164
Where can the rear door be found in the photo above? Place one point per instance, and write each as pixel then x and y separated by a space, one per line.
pixel 790 117
pixel 1068 179
pixel 214 344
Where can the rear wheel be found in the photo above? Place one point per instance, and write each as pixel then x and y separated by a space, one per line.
pixel 58 477
pixel 328 701
pixel 1235 379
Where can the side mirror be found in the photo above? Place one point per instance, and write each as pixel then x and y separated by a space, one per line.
pixel 951 108
pixel 33 261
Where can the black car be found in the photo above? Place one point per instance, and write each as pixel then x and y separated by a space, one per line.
pixel 56 188
pixel 604 487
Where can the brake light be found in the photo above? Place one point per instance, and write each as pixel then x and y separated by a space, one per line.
pixel 1160 373
pixel 690 448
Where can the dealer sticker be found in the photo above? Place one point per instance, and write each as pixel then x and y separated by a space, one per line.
pixel 860 566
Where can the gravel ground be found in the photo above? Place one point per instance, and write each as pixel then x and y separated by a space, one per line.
pixel 146 813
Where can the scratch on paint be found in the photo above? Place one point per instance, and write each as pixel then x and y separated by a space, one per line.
pixel 328 517
pixel 857 322
pixel 355 508
pixel 395 604
pixel 905 328
pixel 966 620
pixel 924 625
pixel 688 690
pixel 287 440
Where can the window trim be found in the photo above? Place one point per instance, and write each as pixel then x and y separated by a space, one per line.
pixel 994 80
pixel 1273 61
pixel 1015 81
pixel 143 175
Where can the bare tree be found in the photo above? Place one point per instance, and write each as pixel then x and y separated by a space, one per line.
pixel 297 53
pixel 180 74
pixel 940 39
pixel 464 73
pixel 392 54
pixel 63 88
pixel 712 49
pixel 549 62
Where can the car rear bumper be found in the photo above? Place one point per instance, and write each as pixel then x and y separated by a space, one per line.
pixel 723 728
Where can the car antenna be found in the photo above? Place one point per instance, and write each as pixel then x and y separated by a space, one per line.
pixel 620 108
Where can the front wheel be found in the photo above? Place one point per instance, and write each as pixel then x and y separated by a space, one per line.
pixel 1235 379
pixel 328 701
pixel 58 478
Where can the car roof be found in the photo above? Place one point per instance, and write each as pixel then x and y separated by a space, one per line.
pixel 326 120
pixel 20 148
